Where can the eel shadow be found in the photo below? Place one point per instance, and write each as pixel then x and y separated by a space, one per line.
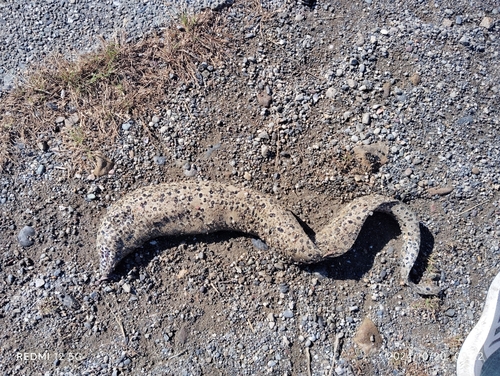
pixel 375 234
pixel 141 257
pixel 424 256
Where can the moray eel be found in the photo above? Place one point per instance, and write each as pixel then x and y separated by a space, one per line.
pixel 175 209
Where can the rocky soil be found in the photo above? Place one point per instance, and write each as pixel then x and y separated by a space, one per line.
pixel 306 92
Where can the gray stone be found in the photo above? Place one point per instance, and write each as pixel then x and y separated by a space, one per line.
pixel 264 151
pixel 159 160
pixel 331 93
pixel 259 244
pixel 43 146
pixel 263 135
pixel 25 236
pixel 299 97
pixel 40 170
pixel 447 22
pixel 464 41
pixel 450 312
pixel 190 171
pixel 366 118
pixel 126 288
pixel 466 120
pixel 69 301
pixel 352 83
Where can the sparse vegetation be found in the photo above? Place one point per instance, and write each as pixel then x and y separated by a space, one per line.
pixel 108 86
pixel 455 343
pixel 429 304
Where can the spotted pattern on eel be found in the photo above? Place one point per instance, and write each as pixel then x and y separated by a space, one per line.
pixel 175 209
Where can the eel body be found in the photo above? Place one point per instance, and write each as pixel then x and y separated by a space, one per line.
pixel 175 209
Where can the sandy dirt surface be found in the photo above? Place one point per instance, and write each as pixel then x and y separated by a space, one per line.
pixel 315 106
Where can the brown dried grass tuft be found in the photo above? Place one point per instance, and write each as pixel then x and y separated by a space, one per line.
pixel 117 82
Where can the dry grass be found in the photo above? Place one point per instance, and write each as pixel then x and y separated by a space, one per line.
pixel 429 304
pixel 454 343
pixel 104 88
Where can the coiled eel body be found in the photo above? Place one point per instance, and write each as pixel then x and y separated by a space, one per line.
pixel 175 209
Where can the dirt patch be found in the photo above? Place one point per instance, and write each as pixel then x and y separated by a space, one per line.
pixel 220 304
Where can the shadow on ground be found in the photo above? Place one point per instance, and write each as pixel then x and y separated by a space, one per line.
pixel 376 233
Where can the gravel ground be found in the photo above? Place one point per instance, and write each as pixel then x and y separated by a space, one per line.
pixel 306 89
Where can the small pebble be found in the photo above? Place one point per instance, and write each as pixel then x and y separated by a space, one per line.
pixel 284 288
pixel 415 79
pixel 25 236
pixel 40 170
pixel 43 146
pixel 191 171
pixel 331 93
pixel 126 287
pixel 440 191
pixel 487 23
pixel 366 118
pixel 126 126
pixel 450 312
pixel 352 84
pixel 159 160
pixel 264 151
pixel 259 244
pixel 264 99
